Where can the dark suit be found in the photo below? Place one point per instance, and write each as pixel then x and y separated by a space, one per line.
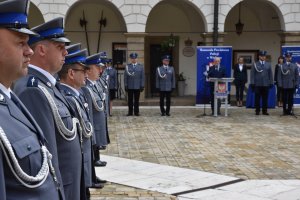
pixel 215 72
pixel 66 154
pixel 240 79
pixel 26 138
pixel 73 98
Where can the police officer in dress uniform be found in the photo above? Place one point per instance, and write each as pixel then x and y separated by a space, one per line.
pixel 26 170
pixel 40 92
pixel 96 102
pixel 165 83
pixel 72 78
pixel 103 87
pixel 134 79
pixel 112 83
pixel 261 79
pixel 215 71
pixel 288 80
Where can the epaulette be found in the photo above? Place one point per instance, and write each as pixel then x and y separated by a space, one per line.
pixel 32 82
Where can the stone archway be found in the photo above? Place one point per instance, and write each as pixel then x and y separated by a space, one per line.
pixel 35 16
pixel 185 21
pixel 112 32
pixel 262 26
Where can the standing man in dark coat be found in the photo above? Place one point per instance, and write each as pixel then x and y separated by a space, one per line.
pixel 23 144
pixel 40 92
pixel 240 79
pixel 165 82
pixel 134 78
pixel 288 80
pixel 261 80
pixel 215 71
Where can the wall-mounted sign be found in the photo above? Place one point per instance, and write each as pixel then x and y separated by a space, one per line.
pixel 188 51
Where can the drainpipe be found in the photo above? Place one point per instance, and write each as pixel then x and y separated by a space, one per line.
pixel 216 22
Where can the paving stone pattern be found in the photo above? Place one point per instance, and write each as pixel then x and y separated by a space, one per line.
pixel 242 145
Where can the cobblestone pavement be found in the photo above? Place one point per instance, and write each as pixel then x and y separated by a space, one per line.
pixel 242 145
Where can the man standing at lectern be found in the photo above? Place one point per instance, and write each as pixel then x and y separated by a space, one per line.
pixel 215 71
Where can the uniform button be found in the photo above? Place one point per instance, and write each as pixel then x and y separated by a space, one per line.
pixel 28 147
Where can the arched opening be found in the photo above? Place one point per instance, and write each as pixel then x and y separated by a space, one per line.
pixel 262 25
pixel 112 30
pixel 35 16
pixel 184 21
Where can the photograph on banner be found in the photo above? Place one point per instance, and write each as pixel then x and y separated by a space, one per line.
pixel 205 60
pixel 295 52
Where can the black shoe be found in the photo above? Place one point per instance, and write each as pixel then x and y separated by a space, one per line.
pixel 256 113
pixel 99 180
pixel 129 114
pixel 137 114
pixel 265 113
pixel 168 114
pixel 97 185
pixel 163 114
pixel 102 147
pixel 100 163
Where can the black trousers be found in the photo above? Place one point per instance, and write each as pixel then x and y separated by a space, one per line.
pixel 239 91
pixel 279 93
pixel 288 100
pixel 261 92
pixel 133 101
pixel 212 103
pixel 163 95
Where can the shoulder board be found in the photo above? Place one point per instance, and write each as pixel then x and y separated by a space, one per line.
pixel 32 82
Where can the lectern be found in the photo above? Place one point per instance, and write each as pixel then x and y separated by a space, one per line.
pixel 221 91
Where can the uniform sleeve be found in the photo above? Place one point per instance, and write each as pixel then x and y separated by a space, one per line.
pixel 156 78
pixel 2 179
pixel 271 75
pixel 125 77
pixel 296 76
pixel 142 78
pixel 173 80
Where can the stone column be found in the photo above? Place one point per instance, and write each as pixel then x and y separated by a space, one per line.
pixel 208 39
pixel 136 43
pixel 290 38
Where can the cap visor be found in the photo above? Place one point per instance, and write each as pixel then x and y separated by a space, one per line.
pixel 25 31
pixel 62 40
